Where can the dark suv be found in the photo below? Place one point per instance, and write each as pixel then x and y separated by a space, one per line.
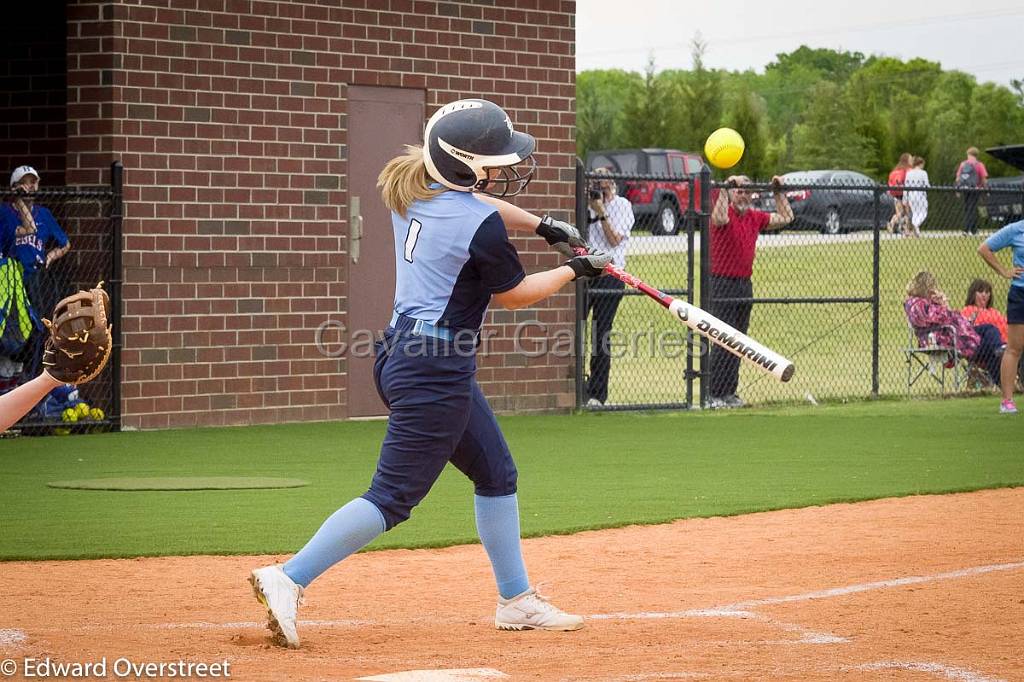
pixel 658 205
pixel 1004 207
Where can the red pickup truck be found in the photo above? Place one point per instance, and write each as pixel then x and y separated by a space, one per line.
pixel 658 205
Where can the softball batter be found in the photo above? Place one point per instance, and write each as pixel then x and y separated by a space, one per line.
pixel 452 256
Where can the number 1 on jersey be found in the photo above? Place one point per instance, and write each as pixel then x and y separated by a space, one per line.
pixel 411 237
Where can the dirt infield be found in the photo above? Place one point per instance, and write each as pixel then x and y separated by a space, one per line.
pixel 915 588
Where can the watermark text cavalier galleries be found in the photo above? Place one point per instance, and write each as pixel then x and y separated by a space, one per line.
pixel 120 668
pixel 531 339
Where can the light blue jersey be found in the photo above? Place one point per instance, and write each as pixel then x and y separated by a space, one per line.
pixel 1011 235
pixel 451 253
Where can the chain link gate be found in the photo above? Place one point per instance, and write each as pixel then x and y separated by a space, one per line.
pixel 91 218
pixel 828 290
pixel 650 360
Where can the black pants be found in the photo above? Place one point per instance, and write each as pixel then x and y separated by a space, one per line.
pixel 971 212
pixel 43 288
pixel 724 366
pixel 989 353
pixel 604 305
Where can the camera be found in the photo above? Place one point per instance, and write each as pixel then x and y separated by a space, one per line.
pixel 595 193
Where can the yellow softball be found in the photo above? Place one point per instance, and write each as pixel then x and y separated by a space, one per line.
pixel 96 414
pixel 69 415
pixel 82 409
pixel 724 148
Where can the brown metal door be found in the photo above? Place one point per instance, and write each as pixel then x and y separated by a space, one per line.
pixel 380 122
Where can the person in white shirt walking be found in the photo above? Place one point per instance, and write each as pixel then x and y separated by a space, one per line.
pixel 610 224
pixel 917 176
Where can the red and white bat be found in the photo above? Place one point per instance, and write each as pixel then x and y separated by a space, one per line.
pixel 706 324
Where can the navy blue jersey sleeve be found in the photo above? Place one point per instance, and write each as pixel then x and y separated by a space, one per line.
pixel 494 257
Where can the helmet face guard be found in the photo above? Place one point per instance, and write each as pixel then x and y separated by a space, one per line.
pixel 511 180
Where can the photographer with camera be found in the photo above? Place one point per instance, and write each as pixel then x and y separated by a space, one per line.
pixel 610 222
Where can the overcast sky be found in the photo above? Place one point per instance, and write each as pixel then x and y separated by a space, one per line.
pixel 981 37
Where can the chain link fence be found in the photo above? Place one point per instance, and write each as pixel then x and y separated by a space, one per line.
pixel 76 243
pixel 826 290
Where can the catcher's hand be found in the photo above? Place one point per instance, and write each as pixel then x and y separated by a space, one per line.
pixel 79 343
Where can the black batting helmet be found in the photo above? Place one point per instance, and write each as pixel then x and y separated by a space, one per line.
pixel 464 139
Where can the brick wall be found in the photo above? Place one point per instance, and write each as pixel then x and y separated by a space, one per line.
pixel 33 90
pixel 230 121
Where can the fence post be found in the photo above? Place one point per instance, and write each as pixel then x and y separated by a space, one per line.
pixel 875 294
pixel 116 278
pixel 581 292
pixel 705 273
pixel 691 222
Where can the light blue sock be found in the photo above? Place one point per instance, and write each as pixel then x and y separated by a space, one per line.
pixel 345 532
pixel 497 524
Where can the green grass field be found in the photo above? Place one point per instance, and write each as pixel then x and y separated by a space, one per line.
pixel 830 345
pixel 576 472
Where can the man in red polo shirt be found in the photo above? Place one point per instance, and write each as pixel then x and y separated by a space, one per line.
pixel 735 226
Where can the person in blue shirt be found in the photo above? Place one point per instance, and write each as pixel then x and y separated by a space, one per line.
pixel 453 256
pixel 38 248
pixel 39 241
pixel 1011 236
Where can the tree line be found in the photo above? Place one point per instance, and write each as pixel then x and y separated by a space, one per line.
pixel 810 109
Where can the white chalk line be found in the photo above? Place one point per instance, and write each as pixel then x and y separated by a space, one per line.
pixel 734 610
pixel 948 672
pixel 665 676
pixel 940 670
pixel 454 675
pixel 12 636
pixel 807 636
pixel 742 609
pixel 878 585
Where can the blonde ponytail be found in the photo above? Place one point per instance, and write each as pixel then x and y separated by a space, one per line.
pixel 405 180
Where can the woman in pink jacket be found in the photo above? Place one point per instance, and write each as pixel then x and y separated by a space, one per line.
pixel 930 315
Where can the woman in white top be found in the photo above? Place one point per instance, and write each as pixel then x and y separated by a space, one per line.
pixel 917 176
pixel 611 221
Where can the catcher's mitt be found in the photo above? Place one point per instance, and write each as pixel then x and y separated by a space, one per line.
pixel 79 343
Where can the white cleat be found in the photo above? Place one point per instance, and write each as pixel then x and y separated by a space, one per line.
pixel 532 611
pixel 276 591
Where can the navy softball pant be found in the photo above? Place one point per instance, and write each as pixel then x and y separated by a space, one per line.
pixel 438 415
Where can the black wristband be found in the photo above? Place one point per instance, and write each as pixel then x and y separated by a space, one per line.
pixel 578 268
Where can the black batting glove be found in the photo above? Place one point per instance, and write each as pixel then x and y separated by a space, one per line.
pixel 557 232
pixel 590 265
